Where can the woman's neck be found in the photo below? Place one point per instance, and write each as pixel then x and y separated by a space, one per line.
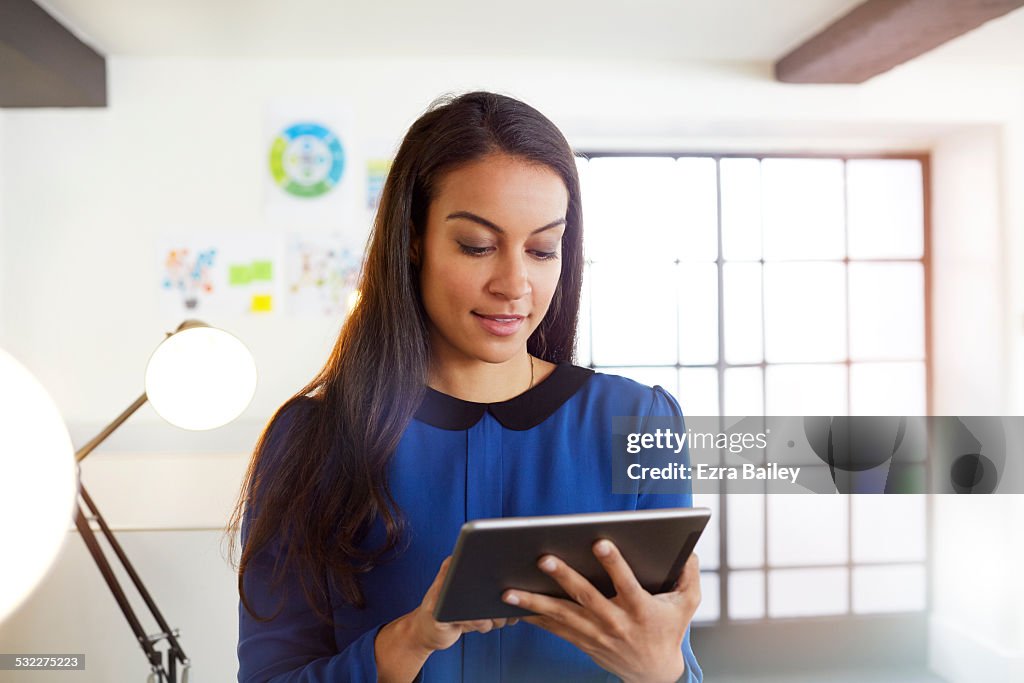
pixel 482 382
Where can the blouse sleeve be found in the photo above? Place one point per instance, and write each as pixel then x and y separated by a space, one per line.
pixel 295 646
pixel 664 404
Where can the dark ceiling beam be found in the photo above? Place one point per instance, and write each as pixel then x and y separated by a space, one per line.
pixel 42 64
pixel 877 35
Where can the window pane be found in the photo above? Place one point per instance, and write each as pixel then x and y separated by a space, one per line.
pixel 795 518
pixel 807 592
pixel 746 595
pixel 805 312
pixel 889 589
pixel 741 209
pixel 698 391
pixel 745 528
pixel 806 389
pixel 583 325
pixel 803 208
pixel 583 168
pixel 708 610
pixel 630 323
pixel 707 546
pixel 744 391
pixel 654 221
pixel 889 528
pixel 743 330
pixel 697 206
pixel 887 389
pixel 631 211
pixel 698 313
pixel 665 377
pixel 887 311
pixel 886 208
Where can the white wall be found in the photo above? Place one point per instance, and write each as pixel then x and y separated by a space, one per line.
pixel 180 147
pixel 86 192
pixel 73 612
pixel 977 622
pixel 2 251
pixel 1012 163
pixel 968 278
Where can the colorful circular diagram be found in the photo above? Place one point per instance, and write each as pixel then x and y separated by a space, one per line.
pixel 307 160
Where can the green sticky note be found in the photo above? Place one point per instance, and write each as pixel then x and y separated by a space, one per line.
pixel 263 270
pixel 240 274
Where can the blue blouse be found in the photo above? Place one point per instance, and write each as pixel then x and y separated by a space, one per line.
pixel 546 451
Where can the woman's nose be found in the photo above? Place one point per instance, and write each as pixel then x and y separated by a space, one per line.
pixel 512 278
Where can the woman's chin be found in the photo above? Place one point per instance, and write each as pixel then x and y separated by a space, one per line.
pixel 499 351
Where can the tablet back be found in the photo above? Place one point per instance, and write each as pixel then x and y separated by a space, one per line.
pixel 493 555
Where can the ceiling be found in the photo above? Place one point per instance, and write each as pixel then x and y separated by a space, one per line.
pixel 676 30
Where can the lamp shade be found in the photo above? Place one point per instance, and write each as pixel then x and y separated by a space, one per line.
pixel 200 378
pixel 38 482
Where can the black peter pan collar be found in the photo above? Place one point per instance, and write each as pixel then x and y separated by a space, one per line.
pixel 522 412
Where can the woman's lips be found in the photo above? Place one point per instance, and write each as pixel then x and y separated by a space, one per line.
pixel 499 325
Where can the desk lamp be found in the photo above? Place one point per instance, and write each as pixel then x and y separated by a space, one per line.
pixel 198 378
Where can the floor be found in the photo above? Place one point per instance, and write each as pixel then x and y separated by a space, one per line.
pixel 839 677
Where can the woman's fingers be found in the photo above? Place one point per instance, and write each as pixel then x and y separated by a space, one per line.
pixel 576 585
pixel 626 585
pixel 565 612
pixel 430 598
pixel 554 626
pixel 691 572
pixel 688 585
pixel 485 625
pixel 481 625
pixel 498 623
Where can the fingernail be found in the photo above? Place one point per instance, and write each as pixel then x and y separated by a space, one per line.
pixel 548 564
pixel 603 548
pixel 512 599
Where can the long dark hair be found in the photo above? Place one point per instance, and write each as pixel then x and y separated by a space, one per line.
pixel 328 482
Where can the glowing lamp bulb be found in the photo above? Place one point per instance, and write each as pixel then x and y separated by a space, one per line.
pixel 200 378
pixel 38 482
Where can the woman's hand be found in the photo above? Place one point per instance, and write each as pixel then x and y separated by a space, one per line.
pixel 635 635
pixel 402 646
pixel 440 635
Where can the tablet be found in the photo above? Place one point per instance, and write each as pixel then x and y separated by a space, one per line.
pixel 492 555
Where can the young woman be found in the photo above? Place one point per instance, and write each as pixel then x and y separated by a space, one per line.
pixel 449 396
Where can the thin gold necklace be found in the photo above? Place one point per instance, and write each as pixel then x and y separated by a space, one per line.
pixel 531 372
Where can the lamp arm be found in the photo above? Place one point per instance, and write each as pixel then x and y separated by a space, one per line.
pixel 175 653
pixel 115 587
pixel 139 402
pixel 109 429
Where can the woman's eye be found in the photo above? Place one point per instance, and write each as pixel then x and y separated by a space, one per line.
pixel 538 254
pixel 473 251
pixel 545 255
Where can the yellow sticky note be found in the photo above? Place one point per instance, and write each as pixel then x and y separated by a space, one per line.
pixel 262 303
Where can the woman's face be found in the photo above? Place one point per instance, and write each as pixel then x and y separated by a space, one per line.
pixel 490 257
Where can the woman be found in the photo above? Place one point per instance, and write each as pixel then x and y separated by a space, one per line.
pixel 450 395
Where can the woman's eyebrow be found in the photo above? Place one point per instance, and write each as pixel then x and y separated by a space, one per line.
pixel 488 224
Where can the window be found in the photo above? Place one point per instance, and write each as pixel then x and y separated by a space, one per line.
pixel 760 285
